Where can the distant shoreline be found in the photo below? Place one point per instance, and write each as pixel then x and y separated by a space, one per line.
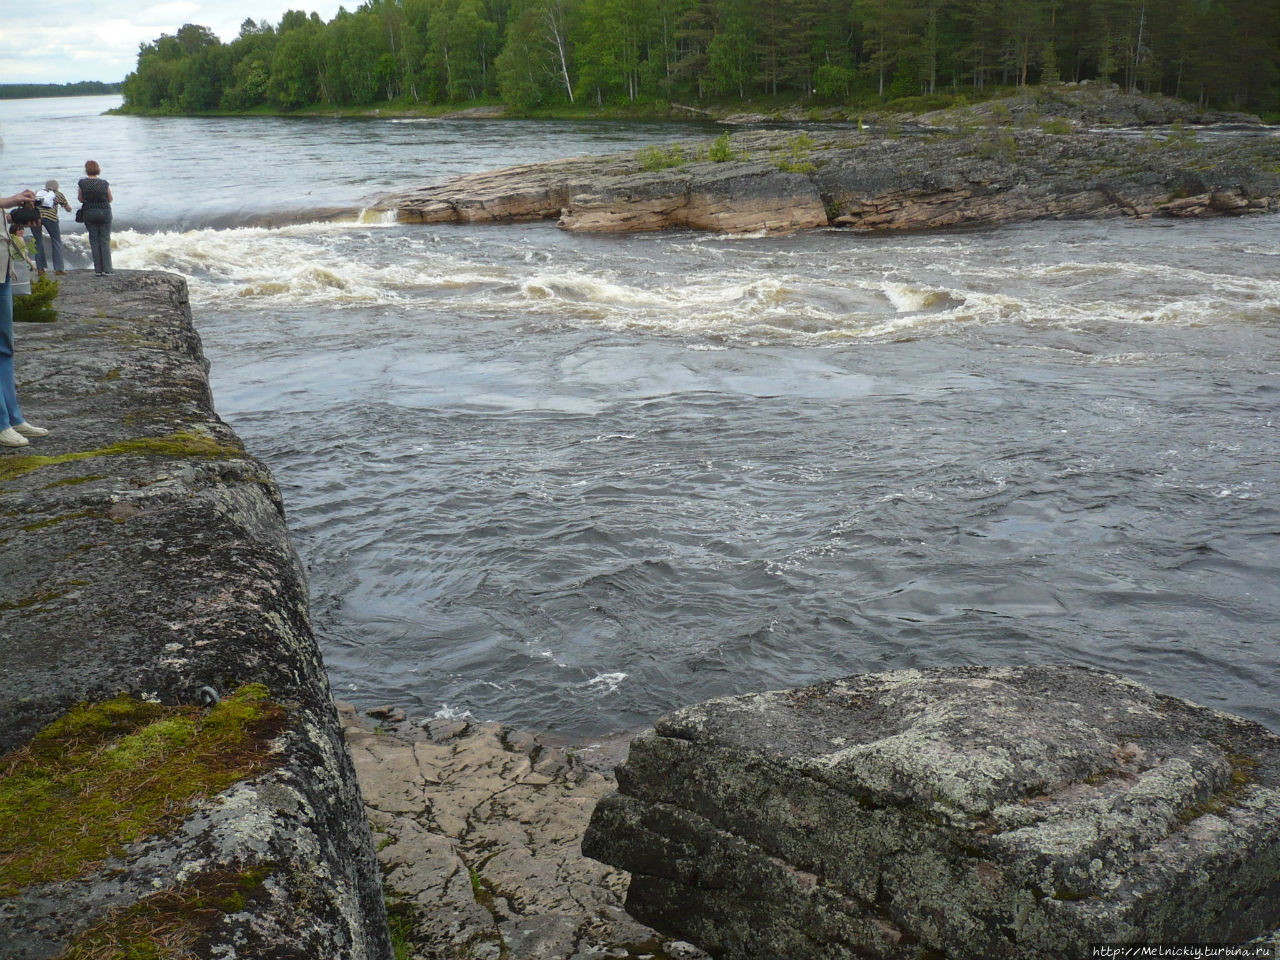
pixel 44 91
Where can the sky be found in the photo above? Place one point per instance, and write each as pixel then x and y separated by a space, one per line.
pixel 65 41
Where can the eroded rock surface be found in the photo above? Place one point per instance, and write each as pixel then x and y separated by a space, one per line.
pixel 964 813
pixel 990 164
pixel 479 830
pixel 144 551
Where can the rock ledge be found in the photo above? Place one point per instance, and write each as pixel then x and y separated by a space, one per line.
pixel 1027 158
pixel 965 812
pixel 145 552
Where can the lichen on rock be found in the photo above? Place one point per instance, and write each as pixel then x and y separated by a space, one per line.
pixel 107 774
pixel 986 164
pixel 147 555
pixel 961 812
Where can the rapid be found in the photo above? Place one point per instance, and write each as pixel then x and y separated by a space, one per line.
pixel 571 482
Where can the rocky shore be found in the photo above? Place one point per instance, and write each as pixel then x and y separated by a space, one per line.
pixel 478 831
pixel 174 779
pixel 964 812
pixel 1039 156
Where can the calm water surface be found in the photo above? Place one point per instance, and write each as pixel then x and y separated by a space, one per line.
pixel 572 482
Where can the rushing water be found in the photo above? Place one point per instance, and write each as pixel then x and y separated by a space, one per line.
pixel 574 481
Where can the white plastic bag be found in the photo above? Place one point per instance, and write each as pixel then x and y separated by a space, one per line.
pixel 22 278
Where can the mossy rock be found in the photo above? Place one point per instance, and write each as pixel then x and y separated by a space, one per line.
pixel 171 924
pixel 185 444
pixel 107 774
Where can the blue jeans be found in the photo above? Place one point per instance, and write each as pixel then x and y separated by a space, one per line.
pixel 98 223
pixel 54 229
pixel 9 412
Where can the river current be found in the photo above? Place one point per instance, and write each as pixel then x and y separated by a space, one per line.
pixel 572 482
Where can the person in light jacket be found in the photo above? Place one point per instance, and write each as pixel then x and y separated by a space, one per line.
pixel 49 200
pixel 14 430
pixel 95 194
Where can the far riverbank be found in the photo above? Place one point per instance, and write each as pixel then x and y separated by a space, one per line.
pixel 1098 102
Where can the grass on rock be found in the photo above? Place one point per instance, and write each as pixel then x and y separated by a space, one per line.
pixel 187 444
pixel 108 774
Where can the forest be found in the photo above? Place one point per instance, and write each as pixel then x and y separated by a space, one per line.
pixel 85 88
pixel 544 55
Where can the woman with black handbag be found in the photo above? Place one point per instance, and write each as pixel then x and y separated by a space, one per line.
pixel 95 194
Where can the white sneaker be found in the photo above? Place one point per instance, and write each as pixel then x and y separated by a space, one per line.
pixel 27 430
pixel 10 437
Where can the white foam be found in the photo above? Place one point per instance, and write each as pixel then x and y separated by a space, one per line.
pixel 605 683
pixel 373 217
pixel 781 294
pixel 447 712
pixel 292 264
pixel 908 298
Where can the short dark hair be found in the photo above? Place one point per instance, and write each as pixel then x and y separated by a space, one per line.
pixel 91 168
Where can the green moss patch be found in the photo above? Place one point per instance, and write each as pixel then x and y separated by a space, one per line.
pixel 74 481
pixel 107 774
pixel 1242 777
pixel 33 600
pixel 171 925
pixel 186 444
pixel 401 924
pixel 54 521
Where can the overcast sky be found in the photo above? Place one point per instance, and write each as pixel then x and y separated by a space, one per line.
pixel 64 41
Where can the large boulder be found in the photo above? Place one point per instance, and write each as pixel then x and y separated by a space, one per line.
pixel 962 813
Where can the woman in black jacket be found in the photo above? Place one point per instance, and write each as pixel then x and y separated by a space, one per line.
pixel 95 194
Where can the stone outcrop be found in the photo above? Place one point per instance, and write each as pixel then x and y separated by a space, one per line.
pixel 726 198
pixel 981 169
pixel 1092 103
pixel 960 813
pixel 145 553
pixel 478 831
pixel 534 191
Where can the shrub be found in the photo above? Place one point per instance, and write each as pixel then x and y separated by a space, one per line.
pixel 1000 146
pixel 37 306
pixel 1181 135
pixel 796 160
pixel 923 103
pixel 656 158
pixel 720 151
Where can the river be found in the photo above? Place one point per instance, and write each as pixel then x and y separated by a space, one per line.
pixel 572 482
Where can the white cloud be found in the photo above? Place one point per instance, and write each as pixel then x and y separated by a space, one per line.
pixel 180 12
pixel 92 42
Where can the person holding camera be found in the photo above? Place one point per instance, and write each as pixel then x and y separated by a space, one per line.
pixel 48 200
pixel 14 430
pixel 95 194
pixel 25 215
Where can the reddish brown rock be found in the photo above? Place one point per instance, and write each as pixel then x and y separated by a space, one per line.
pixel 904 178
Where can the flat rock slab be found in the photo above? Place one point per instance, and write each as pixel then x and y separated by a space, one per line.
pixel 144 551
pixel 975 171
pixel 479 829
pixel 964 812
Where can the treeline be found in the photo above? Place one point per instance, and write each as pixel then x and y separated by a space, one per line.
pixel 86 88
pixel 533 54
